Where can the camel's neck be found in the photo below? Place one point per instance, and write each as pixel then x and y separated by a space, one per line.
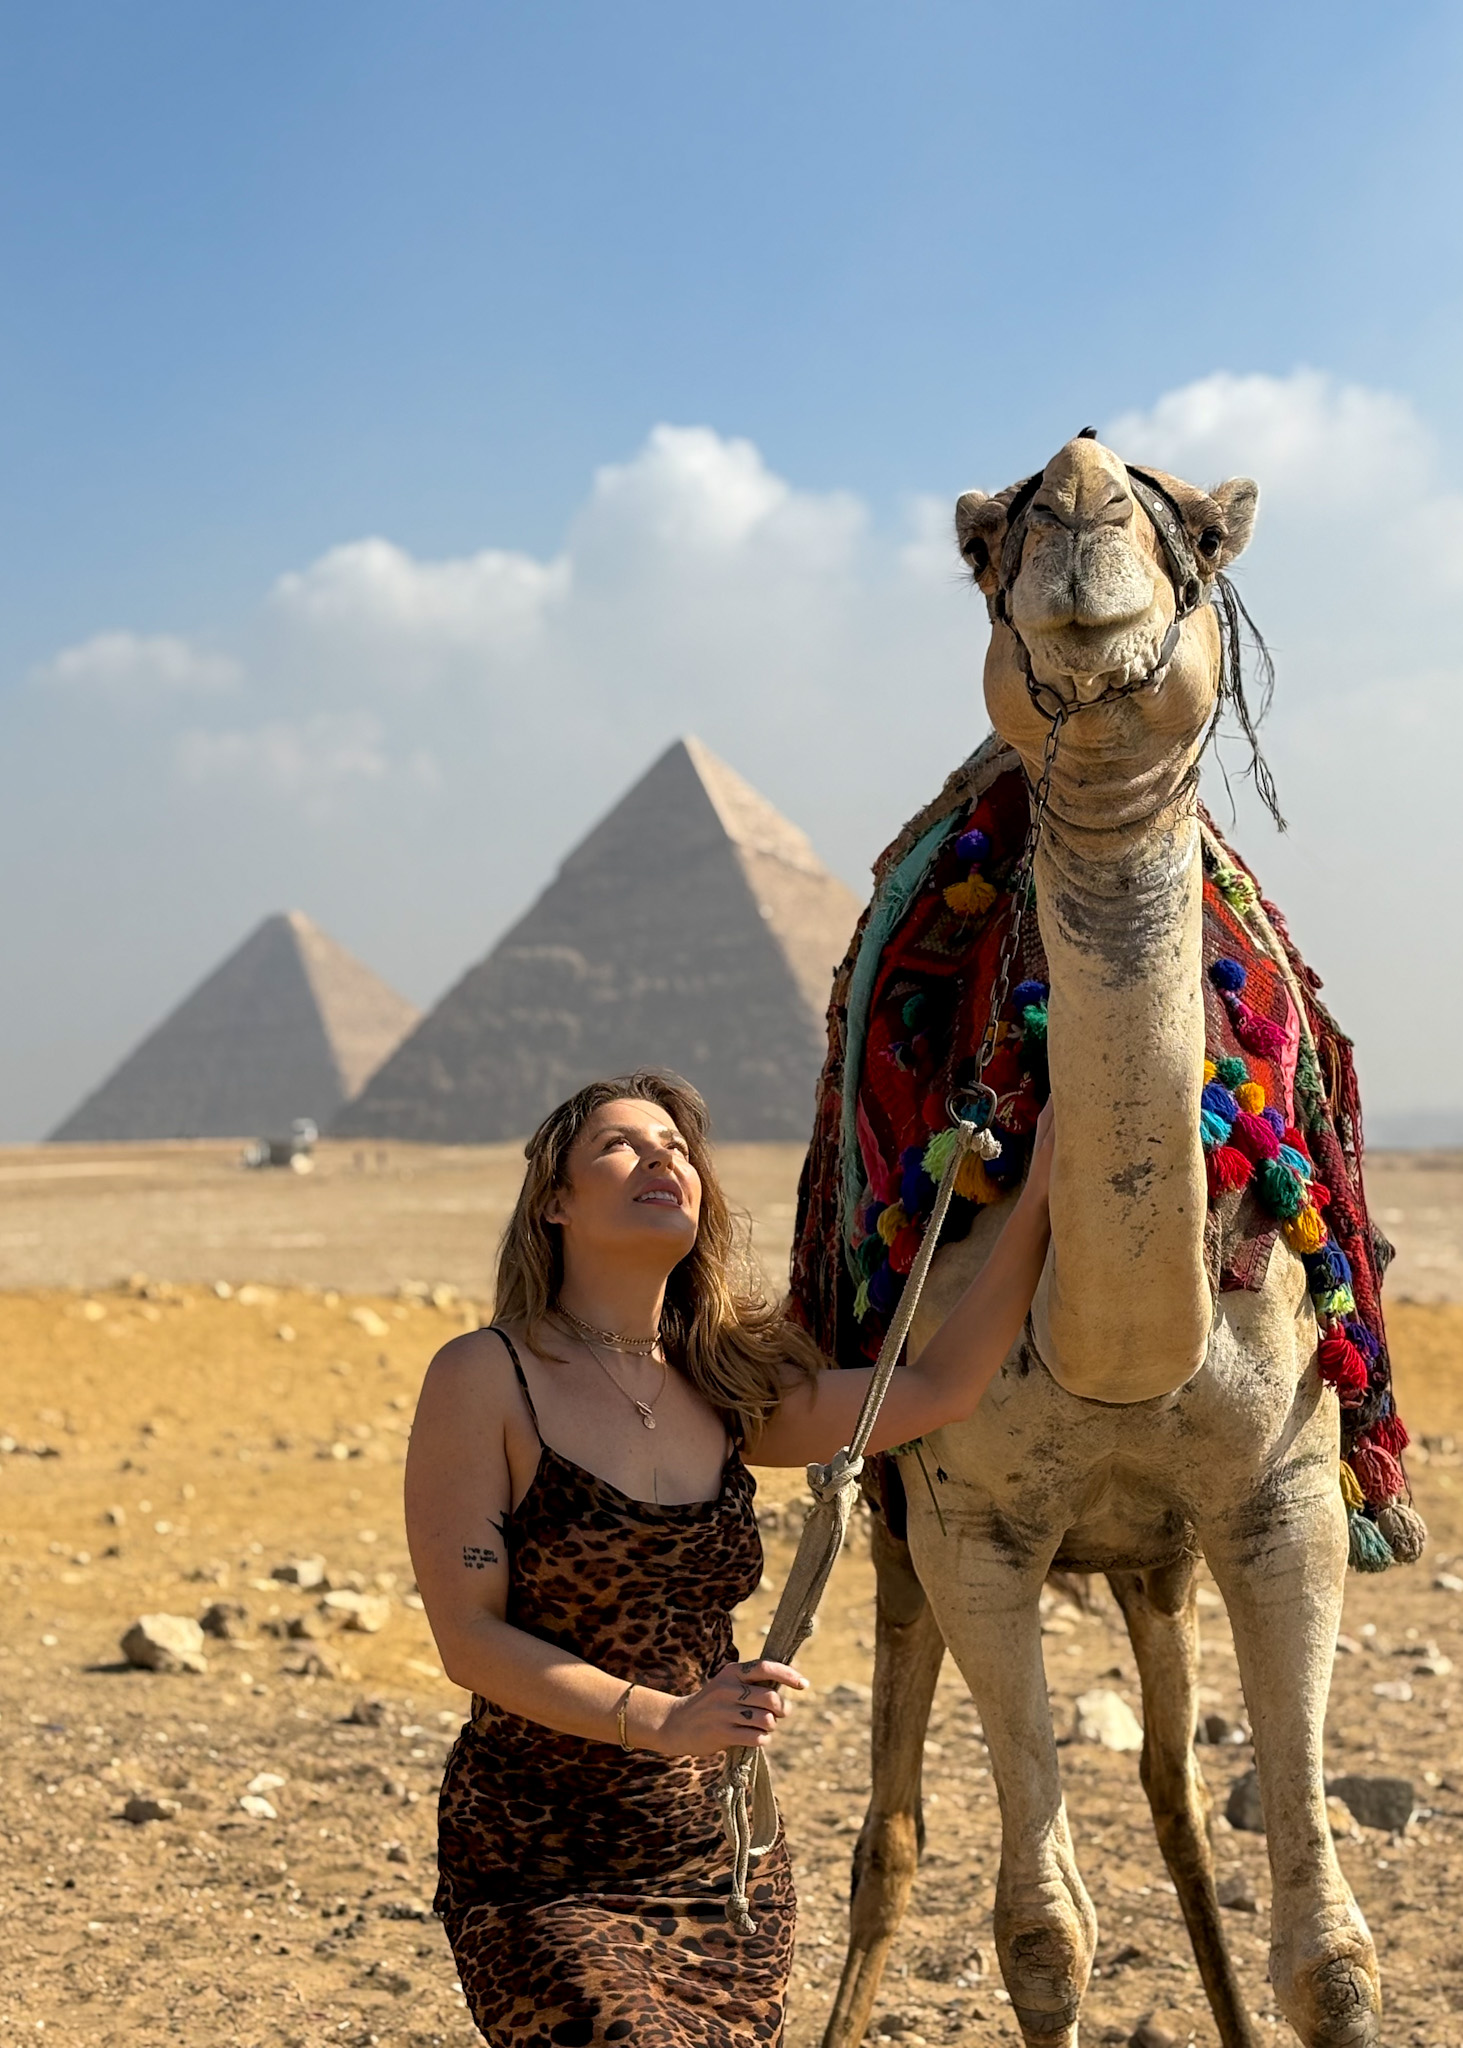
pixel 1123 1311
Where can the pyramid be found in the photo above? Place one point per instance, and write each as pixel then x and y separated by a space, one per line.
pixel 694 928
pixel 291 1025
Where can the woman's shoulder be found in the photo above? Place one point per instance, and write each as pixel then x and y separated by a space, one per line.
pixel 474 1370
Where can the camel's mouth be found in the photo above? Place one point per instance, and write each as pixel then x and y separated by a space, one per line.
pixel 1097 658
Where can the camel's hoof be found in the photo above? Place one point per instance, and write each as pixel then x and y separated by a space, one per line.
pixel 1337 2002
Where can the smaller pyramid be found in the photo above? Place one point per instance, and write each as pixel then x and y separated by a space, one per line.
pixel 291 1025
pixel 693 928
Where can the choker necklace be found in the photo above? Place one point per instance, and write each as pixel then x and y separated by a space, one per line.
pixel 642 1347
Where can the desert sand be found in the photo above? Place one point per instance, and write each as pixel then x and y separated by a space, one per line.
pixel 209 1375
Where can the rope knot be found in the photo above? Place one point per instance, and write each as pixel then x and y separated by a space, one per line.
pixel 826 1482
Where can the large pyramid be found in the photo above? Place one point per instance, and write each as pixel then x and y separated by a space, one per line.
pixel 291 1025
pixel 694 929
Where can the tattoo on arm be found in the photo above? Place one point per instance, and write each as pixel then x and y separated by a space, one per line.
pixel 476 1558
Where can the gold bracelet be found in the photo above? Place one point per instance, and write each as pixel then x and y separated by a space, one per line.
pixel 625 1742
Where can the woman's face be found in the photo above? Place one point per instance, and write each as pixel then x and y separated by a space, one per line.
pixel 630 1188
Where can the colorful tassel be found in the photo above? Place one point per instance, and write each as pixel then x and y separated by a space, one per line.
pixel 1250 1095
pixel 891 1221
pixel 1231 1071
pixel 1342 1366
pixel 1227 1170
pixel 974 1183
pixel 1238 891
pixel 1378 1473
pixel 1218 1101
pixel 1033 1019
pixel 1027 993
pixel 1255 1033
pixel 1297 1162
pixel 1368 1549
pixel 861 1301
pixel 1279 1190
pixel 914 1010
pixel 1340 1302
pixel 1228 976
pixel 1213 1130
pixel 1404 1531
pixel 972 897
pixel 905 1248
pixel 1351 1491
pixel 1390 1431
pixel 939 1152
pixel 1210 1070
pixel 883 1289
pixel 972 846
pixel 912 1181
pixel 1305 1232
pixel 1272 1117
pixel 1254 1137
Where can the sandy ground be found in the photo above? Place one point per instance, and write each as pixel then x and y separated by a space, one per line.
pixel 177 1439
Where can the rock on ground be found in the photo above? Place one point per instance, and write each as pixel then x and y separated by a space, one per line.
pixel 164 1642
pixel 1376 1802
pixel 1105 1717
pixel 1242 1809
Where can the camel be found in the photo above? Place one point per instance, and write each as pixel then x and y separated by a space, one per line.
pixel 1140 1423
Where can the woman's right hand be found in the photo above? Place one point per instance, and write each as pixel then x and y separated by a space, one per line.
pixel 738 1709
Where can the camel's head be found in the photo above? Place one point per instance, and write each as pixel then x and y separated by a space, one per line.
pixel 1086 567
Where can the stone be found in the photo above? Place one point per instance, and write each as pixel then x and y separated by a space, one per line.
pixel 265 1782
pixel 1236 1894
pixel 228 1620
pixel 366 1612
pixel 306 1628
pixel 164 1642
pixel 403 1909
pixel 1105 1717
pixel 397 1852
pixel 310 1664
pixel 1447 1582
pixel 139 1810
pixel 1148 2034
pixel 257 1807
pixel 1242 1809
pixel 366 1319
pixel 370 1713
pixel 1396 1689
pixel 1220 1730
pixel 1386 1803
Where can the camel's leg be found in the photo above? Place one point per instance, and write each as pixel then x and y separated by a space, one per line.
pixel 1281 1566
pixel 1045 1927
pixel 907 1654
pixel 1161 1611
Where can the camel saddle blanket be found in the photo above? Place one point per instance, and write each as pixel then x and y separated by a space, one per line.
pixel 1280 1116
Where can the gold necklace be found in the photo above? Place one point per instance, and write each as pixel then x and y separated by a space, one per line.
pixel 644 1409
pixel 641 1346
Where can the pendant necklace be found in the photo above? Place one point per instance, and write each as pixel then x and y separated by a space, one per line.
pixel 644 1409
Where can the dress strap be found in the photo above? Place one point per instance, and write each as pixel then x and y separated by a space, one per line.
pixel 508 1345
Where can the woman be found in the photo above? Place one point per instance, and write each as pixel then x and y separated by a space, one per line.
pixel 581 1524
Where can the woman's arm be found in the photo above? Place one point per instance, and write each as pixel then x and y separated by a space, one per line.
pixel 458 1492
pixel 946 1381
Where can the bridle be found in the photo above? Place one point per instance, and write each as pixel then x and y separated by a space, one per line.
pixel 1190 582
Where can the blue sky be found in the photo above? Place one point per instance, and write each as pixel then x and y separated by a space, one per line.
pixel 279 281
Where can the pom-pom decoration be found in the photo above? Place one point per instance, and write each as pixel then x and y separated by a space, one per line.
pixel 1228 976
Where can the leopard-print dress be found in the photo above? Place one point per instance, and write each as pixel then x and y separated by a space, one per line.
pixel 582 1887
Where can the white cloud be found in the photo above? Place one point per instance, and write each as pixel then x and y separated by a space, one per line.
pixel 139 669
pixel 492 602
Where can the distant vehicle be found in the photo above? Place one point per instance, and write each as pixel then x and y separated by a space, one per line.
pixel 294 1151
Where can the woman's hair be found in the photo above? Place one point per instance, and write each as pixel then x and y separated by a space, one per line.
pixel 732 1344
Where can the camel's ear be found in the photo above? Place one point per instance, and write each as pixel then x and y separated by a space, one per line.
pixel 980 529
pixel 1239 501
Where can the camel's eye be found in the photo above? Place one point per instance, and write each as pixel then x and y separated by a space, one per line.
pixel 1209 542
pixel 977 554
pixel 1041 515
